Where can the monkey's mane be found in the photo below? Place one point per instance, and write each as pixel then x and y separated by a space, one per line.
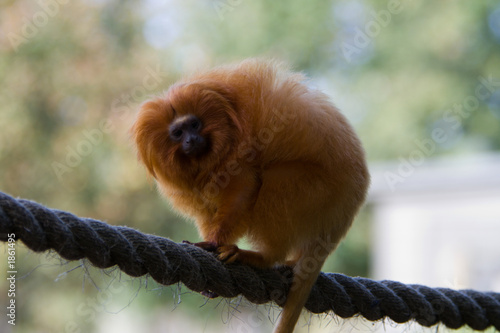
pixel 214 105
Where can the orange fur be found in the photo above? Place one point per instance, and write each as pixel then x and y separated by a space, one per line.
pixel 283 168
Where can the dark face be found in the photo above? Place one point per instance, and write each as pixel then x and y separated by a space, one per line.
pixel 185 130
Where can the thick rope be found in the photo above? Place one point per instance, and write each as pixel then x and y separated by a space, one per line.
pixel 137 254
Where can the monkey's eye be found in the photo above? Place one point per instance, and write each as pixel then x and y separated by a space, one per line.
pixel 196 125
pixel 176 134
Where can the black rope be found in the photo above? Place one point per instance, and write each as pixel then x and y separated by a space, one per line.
pixel 137 254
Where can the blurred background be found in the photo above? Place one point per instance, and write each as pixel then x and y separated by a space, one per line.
pixel 419 80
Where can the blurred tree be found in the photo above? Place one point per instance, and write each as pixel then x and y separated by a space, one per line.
pixel 73 74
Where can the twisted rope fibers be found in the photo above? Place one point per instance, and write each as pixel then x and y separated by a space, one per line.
pixel 73 238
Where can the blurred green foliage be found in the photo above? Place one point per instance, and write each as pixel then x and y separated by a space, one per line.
pixel 74 72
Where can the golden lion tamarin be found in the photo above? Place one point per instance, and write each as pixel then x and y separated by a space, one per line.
pixel 249 150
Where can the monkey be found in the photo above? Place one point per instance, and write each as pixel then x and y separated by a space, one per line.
pixel 250 150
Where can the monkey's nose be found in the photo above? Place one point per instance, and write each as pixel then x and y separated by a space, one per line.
pixel 192 139
pixel 193 145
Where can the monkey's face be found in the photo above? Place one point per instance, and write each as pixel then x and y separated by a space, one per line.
pixel 189 130
pixel 186 131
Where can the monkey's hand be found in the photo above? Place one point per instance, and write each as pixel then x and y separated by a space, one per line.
pixel 228 253
pixel 207 246
pixel 225 253
pixel 232 253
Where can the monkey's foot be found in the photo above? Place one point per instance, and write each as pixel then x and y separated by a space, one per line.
pixel 207 246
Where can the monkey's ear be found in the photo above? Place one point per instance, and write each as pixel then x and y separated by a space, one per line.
pixel 228 96
pixel 227 93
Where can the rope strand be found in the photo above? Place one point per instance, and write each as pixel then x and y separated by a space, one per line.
pixel 73 238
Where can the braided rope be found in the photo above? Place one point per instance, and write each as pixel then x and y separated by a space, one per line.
pixel 137 254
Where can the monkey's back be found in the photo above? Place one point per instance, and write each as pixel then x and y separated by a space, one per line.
pixel 281 109
pixel 312 165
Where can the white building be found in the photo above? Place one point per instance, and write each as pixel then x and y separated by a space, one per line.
pixel 438 223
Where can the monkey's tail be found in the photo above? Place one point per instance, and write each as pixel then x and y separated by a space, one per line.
pixel 306 272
